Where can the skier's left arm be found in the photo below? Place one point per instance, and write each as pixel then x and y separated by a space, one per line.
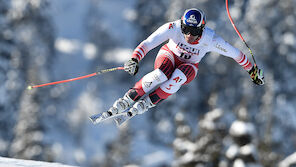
pixel 219 45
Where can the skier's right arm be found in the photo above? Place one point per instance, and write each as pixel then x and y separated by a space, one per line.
pixel 162 34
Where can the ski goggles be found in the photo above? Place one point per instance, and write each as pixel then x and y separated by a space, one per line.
pixel 195 31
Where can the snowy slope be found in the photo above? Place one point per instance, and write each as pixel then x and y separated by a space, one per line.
pixel 11 162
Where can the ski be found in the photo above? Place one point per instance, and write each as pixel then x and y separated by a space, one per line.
pixel 98 118
pixel 119 119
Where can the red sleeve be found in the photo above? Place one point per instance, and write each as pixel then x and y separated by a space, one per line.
pixel 140 52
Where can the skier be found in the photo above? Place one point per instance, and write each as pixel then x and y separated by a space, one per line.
pixel 176 63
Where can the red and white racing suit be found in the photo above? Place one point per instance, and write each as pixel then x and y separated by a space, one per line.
pixel 177 61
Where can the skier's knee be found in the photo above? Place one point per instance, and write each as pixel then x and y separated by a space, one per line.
pixel 153 79
pixel 169 87
pixel 146 84
pixel 174 83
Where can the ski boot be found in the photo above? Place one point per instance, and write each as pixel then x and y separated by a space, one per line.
pixel 120 105
pixel 140 107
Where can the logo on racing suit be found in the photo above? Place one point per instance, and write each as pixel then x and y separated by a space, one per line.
pixel 221 48
pixel 177 79
pixel 155 77
pixel 187 50
pixel 170 87
pixel 171 25
pixel 147 84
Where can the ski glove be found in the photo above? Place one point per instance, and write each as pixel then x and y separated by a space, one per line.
pixel 131 66
pixel 256 75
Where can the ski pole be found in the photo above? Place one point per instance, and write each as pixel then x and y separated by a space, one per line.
pixel 228 13
pixel 77 78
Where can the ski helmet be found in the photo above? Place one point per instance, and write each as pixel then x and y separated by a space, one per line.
pixel 193 21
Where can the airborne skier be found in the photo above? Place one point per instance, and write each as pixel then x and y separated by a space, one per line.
pixel 176 63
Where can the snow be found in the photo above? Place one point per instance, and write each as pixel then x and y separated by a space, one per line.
pixel 289 161
pixel 67 46
pixel 239 128
pixel 11 162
